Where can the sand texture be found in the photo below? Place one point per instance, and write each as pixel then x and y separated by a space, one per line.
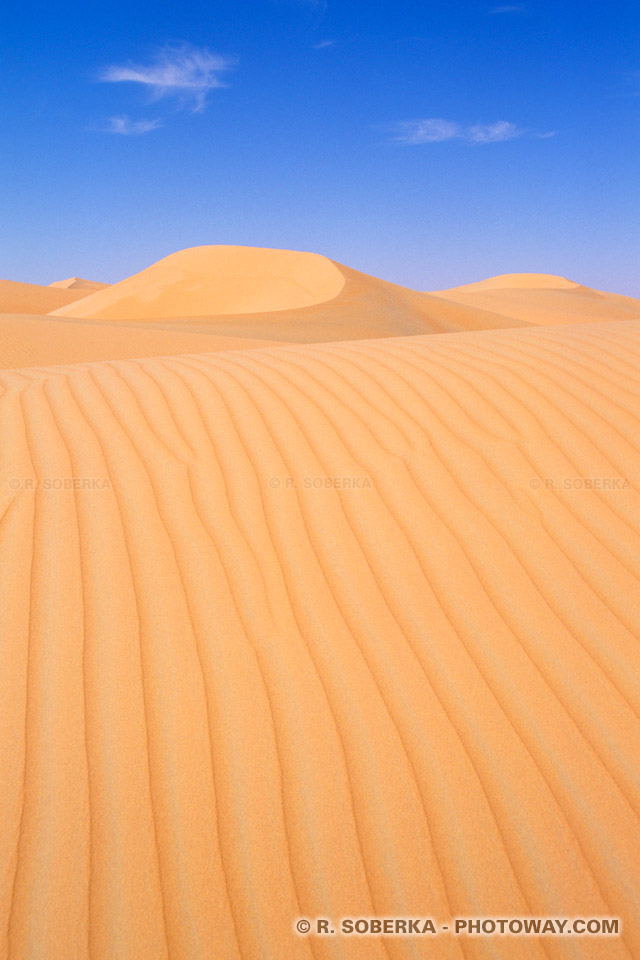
pixel 333 629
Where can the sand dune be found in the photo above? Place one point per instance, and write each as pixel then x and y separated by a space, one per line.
pixel 330 630
pixel 44 341
pixel 278 295
pixel 285 295
pixel 217 279
pixel 31 298
pixel 137 315
pixel 543 299
pixel 518 281
pixel 77 283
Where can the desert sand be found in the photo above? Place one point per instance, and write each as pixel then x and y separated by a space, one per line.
pixel 41 341
pixel 218 279
pixel 77 283
pixel 278 294
pixel 219 298
pixel 32 298
pixel 335 628
pixel 542 299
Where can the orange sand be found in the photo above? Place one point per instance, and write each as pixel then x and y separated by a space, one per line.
pixel 43 341
pixel 542 299
pixel 249 291
pixel 77 283
pixel 217 279
pixel 333 629
pixel 31 298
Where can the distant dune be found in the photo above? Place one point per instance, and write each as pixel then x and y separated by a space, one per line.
pixel 543 299
pixel 31 298
pixel 77 283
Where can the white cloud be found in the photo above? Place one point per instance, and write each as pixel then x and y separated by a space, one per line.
pixel 426 131
pixel 323 44
pixel 185 71
pixel 436 130
pixel 128 127
pixel 492 132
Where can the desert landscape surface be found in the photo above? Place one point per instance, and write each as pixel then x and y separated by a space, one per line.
pixel 319 599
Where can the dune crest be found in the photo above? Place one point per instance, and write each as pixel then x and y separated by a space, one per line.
pixel 77 283
pixel 540 298
pixel 216 279
pixel 517 281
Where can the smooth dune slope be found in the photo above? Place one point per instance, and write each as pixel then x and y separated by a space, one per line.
pixel 321 631
pixel 217 279
pixel 542 299
pixel 45 341
pixel 31 298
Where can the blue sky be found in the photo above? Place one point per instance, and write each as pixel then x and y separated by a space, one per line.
pixel 430 143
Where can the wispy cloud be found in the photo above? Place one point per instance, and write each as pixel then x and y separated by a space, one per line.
pixel 185 71
pixel 323 44
pixel 431 130
pixel 128 127
pixel 492 132
pixel 510 8
pixel 436 130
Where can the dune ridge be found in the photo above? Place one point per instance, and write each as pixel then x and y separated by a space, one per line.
pixel 77 283
pixel 31 298
pixel 305 297
pixel 235 697
pixel 216 279
pixel 542 299
pixel 518 281
pixel 367 309
pixel 288 296
pixel 249 290
pixel 98 326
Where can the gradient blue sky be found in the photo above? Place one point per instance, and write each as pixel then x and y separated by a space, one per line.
pixel 409 140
